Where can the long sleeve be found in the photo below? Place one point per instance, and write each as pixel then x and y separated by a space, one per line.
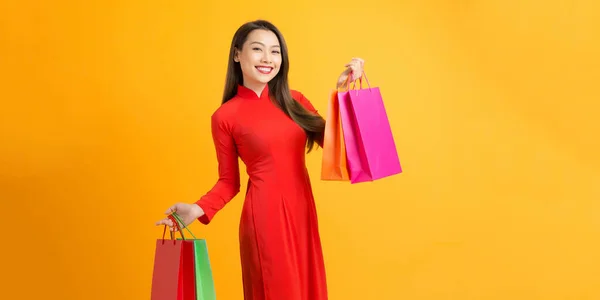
pixel 228 184
pixel 298 96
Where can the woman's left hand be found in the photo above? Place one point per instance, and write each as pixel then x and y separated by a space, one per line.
pixel 354 69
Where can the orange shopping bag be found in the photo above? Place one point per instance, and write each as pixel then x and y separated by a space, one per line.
pixel 333 165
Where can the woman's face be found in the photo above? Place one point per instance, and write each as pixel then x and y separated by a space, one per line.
pixel 260 58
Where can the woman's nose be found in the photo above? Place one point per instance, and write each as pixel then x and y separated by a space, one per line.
pixel 266 58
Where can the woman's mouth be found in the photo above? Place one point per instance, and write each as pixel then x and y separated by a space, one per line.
pixel 264 70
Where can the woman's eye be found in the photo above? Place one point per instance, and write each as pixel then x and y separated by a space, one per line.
pixel 256 49
pixel 276 52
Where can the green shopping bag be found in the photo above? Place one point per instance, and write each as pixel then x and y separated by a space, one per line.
pixel 205 288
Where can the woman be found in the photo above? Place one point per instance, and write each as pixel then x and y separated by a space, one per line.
pixel 268 126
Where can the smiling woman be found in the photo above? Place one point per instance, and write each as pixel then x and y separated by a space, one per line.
pixel 260 58
pixel 280 244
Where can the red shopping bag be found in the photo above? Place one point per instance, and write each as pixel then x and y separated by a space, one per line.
pixel 173 277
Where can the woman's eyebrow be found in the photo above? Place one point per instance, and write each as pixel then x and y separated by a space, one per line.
pixel 264 44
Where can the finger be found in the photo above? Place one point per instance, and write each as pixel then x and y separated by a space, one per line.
pixel 353 63
pixel 171 210
pixel 358 59
pixel 359 63
pixel 347 71
pixel 357 73
pixel 167 222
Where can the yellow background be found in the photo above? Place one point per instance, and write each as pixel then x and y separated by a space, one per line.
pixel 494 106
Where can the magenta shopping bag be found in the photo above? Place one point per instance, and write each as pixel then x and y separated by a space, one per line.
pixel 370 148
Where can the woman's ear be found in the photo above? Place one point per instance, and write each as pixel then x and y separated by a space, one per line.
pixel 236 53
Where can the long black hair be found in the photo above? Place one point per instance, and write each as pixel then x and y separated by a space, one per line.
pixel 313 125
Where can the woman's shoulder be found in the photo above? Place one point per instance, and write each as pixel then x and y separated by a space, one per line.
pixel 301 98
pixel 298 95
pixel 226 111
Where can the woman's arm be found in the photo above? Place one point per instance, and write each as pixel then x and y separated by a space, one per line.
pixel 228 184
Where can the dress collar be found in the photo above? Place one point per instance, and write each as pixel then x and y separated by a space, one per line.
pixel 247 93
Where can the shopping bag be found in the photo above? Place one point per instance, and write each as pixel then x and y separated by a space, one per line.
pixel 173 274
pixel 205 288
pixel 370 147
pixel 333 166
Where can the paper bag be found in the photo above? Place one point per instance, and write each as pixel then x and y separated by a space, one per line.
pixel 334 165
pixel 173 276
pixel 370 147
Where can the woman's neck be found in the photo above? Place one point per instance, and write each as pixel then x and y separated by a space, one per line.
pixel 256 87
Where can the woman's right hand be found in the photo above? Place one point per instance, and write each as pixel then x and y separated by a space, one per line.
pixel 186 212
pixel 353 71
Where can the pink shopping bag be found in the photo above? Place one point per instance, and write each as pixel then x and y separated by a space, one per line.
pixel 370 147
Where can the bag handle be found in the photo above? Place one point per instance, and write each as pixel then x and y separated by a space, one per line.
pixel 176 219
pixel 171 232
pixel 359 80
pixel 367 79
pixel 180 223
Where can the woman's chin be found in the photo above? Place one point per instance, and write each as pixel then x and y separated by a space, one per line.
pixel 262 78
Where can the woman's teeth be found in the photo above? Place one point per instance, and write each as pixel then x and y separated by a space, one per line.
pixel 264 70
